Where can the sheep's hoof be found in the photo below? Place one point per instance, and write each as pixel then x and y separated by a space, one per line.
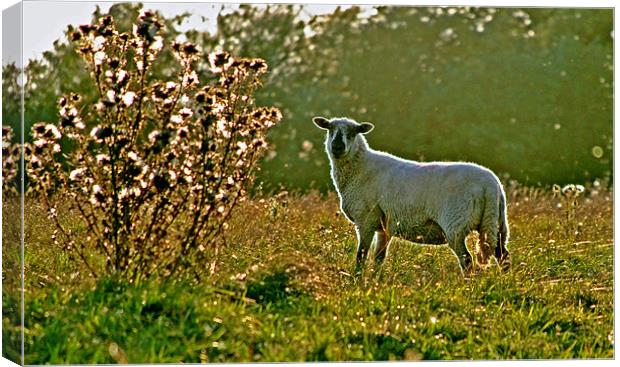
pixel 470 272
pixel 505 263
pixel 358 270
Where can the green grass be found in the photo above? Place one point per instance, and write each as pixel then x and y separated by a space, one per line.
pixel 282 291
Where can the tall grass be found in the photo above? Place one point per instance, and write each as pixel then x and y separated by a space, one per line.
pixel 282 290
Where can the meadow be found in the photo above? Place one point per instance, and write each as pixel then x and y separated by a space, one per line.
pixel 282 290
pixel 178 205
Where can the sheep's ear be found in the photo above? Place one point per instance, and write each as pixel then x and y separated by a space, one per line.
pixel 365 128
pixel 322 122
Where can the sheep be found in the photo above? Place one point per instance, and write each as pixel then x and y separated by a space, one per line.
pixel 427 203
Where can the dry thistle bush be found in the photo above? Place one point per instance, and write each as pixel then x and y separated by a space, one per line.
pixel 155 167
pixel 10 162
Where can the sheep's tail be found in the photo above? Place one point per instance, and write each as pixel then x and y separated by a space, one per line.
pixel 501 252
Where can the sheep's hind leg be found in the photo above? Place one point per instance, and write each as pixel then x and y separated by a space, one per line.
pixel 502 254
pixel 486 243
pixel 364 240
pixel 458 246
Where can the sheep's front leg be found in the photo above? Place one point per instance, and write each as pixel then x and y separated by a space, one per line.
pixel 364 240
pixel 381 246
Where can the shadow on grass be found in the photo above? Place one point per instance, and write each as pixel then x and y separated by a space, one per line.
pixel 274 288
pixel 385 347
pixel 11 326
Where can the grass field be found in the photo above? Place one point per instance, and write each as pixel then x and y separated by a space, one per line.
pixel 282 290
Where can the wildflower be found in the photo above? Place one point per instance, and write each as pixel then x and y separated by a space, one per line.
pixel 39 143
pixel 73 175
pixel 183 132
pixel 157 44
pixel 154 135
pixel 176 119
pixel 219 61
pixel 52 131
pixel 572 190
pixel 123 194
pixel 97 197
pixel 258 65
pixel 186 112
pixel 173 175
pixel 106 20
pixel 221 125
pixel 99 57
pixel 168 102
pixel 190 48
pixel 86 28
pixel 35 162
pixel 201 97
pixel 39 128
pixel 171 86
pixel 102 158
pixel 227 81
pixel 121 77
pixel 98 43
pixel 133 156
pixel 190 78
pixel 128 98
pixel 94 131
pixel 110 98
pixel 242 147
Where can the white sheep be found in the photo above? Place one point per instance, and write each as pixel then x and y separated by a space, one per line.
pixel 427 203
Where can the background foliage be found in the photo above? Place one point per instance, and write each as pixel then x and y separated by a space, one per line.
pixel 526 92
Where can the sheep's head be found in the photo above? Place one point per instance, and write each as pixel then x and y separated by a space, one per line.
pixel 342 134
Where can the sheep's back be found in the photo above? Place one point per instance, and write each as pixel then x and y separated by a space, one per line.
pixel 414 192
